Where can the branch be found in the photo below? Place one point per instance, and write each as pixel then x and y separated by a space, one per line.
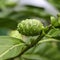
pixel 35 42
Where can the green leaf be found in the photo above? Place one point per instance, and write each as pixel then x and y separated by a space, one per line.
pixel 55 33
pixel 9 47
pixel 43 51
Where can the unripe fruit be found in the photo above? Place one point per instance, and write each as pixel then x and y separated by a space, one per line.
pixel 54 21
pixel 15 34
pixel 30 27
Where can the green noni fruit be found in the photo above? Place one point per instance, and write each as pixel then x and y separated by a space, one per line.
pixel 30 27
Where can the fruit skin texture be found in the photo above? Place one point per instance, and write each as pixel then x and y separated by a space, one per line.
pixel 30 27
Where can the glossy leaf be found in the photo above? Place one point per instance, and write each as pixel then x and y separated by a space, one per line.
pixel 46 50
pixel 9 47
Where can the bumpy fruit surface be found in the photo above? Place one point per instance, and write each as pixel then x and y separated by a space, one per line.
pixel 30 27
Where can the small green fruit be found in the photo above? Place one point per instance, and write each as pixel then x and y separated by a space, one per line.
pixel 54 21
pixel 30 27
pixel 15 34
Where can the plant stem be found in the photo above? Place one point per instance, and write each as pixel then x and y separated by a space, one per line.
pixel 34 43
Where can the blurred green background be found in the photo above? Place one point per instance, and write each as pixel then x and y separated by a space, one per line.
pixel 13 11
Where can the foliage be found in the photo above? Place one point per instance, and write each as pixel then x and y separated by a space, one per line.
pixel 40 41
